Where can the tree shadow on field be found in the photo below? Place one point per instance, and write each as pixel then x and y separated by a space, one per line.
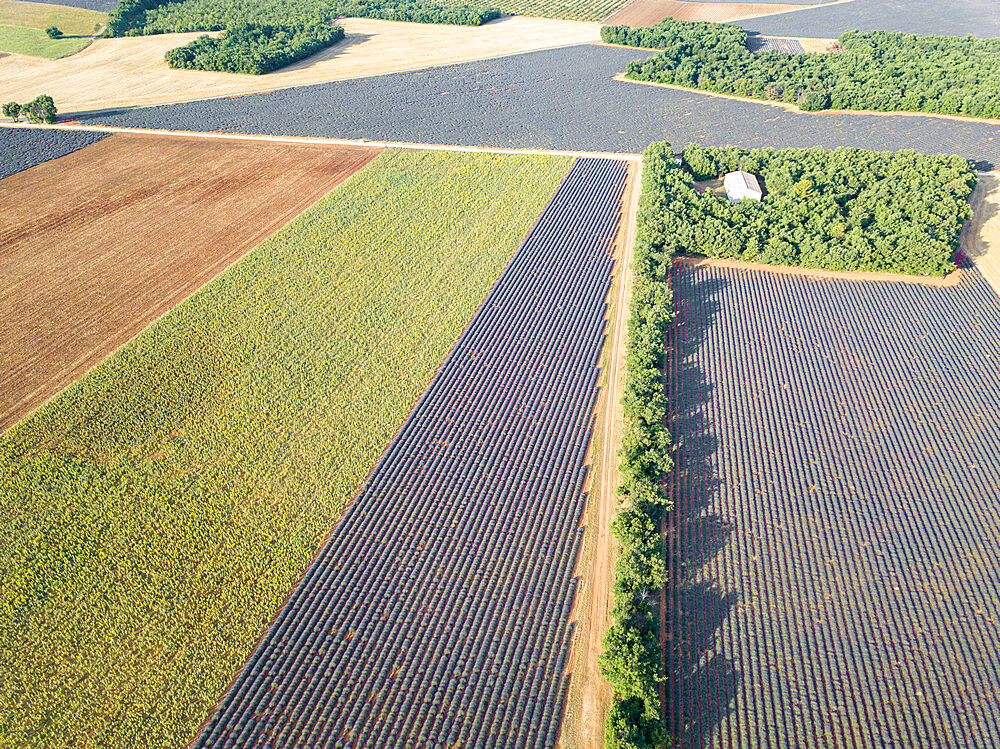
pixel 701 682
pixel 352 39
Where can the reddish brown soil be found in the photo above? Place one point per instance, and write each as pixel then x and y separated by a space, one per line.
pixel 98 244
pixel 651 12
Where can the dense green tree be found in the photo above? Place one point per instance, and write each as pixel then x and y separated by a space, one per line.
pixel 877 70
pixel 13 110
pixel 54 32
pixel 40 109
pixel 255 50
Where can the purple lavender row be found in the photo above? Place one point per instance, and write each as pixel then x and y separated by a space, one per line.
pixel 438 611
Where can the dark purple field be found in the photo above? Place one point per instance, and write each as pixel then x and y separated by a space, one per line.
pixel 834 578
pixel 438 612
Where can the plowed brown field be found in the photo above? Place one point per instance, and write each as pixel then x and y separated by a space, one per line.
pixel 97 245
pixel 651 12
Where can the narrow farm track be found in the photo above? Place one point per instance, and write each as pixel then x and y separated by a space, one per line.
pixel 590 694
pixel 832 552
pixel 81 277
pixel 438 610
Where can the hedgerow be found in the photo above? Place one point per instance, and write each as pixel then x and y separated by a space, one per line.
pixel 878 70
pixel 632 659
pixel 155 514
pixel 137 17
pixel 247 48
pixel 846 209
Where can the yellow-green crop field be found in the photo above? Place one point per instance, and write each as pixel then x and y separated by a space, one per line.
pixel 22 26
pixel 154 515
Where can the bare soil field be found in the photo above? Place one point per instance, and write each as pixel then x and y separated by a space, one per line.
pixel 131 71
pixel 981 235
pixel 651 12
pixel 102 249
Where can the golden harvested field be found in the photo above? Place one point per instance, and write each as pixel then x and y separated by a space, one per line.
pixel 981 235
pixel 118 233
pixel 651 12
pixel 124 72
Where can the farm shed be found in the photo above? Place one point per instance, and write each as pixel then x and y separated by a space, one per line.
pixel 740 185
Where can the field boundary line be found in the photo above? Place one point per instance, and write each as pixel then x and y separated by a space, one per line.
pixel 951 280
pixel 792 108
pixel 305 140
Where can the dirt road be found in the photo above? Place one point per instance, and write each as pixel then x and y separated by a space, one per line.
pixel 590 695
pixel 981 235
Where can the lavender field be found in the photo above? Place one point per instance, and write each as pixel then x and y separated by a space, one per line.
pixel 438 612
pixel 833 576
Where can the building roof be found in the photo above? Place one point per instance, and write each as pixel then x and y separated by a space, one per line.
pixel 742 180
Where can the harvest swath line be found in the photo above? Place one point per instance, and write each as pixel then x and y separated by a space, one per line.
pixel 438 610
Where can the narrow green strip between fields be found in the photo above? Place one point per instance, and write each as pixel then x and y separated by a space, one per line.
pixel 154 516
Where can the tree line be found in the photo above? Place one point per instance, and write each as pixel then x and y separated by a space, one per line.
pixel 878 70
pixel 631 661
pixel 40 109
pixel 139 17
pixel 265 35
pixel 253 49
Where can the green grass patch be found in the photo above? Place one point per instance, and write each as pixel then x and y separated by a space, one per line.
pixel 28 41
pixel 155 514
pixel 71 21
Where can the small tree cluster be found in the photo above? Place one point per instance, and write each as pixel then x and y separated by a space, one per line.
pixel 54 32
pixel 40 109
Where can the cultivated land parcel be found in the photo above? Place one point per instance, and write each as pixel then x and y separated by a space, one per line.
pixel 89 278
pixel 158 511
pixel 831 554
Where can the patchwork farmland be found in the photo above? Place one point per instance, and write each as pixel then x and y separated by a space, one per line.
pixel 533 100
pixel 437 613
pixel 86 284
pixel 830 555
pixel 158 511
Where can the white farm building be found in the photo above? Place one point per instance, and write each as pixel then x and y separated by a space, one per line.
pixel 741 185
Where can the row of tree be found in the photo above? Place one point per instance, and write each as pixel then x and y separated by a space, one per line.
pixel 138 17
pixel 632 658
pixel 846 209
pixel 253 49
pixel 878 70
pixel 39 109
pixel 842 209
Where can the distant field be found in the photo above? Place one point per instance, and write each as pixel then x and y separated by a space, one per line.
pixel 157 512
pixel 22 27
pixel 35 42
pixel 76 21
